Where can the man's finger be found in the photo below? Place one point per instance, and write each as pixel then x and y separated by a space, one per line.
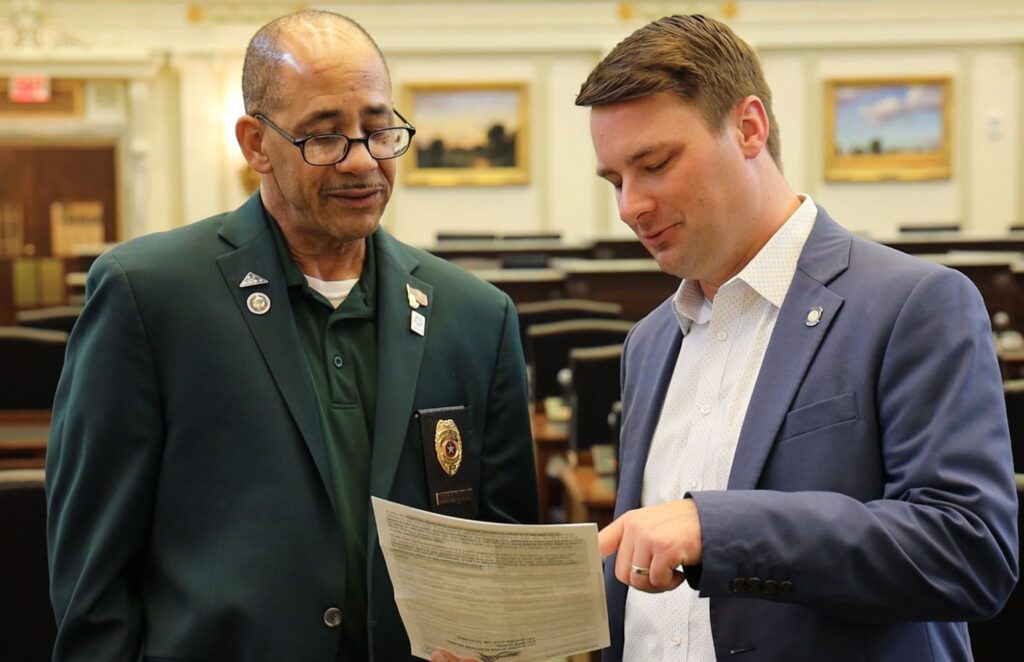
pixel 609 537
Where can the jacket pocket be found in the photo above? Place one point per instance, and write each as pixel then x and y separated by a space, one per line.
pixel 824 413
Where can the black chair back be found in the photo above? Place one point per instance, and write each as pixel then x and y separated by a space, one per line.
pixel 594 389
pixel 548 346
pixel 33 360
pixel 559 310
pixel 27 630
pixel 56 318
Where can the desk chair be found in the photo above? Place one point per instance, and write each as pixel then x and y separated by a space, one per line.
pixel 559 310
pixel 27 626
pixel 548 346
pixel 594 387
pixel 33 359
pixel 56 318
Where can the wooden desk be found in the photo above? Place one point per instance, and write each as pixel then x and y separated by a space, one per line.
pixel 525 284
pixel 588 497
pixel 1011 362
pixel 23 437
pixel 550 440
pixel 638 285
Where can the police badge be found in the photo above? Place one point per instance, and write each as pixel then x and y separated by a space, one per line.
pixel 452 470
pixel 448 446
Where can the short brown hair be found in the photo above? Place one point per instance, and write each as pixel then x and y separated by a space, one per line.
pixel 696 58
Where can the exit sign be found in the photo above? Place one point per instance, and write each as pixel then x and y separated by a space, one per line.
pixel 29 89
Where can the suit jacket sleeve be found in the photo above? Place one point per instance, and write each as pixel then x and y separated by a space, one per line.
pixel 101 472
pixel 508 476
pixel 940 543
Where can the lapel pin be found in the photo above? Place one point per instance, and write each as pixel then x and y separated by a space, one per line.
pixel 252 280
pixel 813 316
pixel 416 297
pixel 258 303
pixel 419 323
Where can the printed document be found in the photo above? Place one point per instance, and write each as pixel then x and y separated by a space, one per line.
pixel 505 592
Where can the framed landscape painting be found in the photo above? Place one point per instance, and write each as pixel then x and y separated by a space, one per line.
pixel 887 129
pixel 467 134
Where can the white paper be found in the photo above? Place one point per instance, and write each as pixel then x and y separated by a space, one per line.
pixel 504 592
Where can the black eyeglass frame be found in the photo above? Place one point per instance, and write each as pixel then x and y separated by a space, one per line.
pixel 301 142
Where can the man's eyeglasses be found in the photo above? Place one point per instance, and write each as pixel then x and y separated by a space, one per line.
pixel 326 149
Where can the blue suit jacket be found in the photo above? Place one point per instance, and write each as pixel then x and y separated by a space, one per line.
pixel 872 474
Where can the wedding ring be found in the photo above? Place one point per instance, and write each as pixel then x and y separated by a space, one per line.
pixel 638 570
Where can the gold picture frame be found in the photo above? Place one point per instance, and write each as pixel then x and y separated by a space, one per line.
pixel 888 128
pixel 467 134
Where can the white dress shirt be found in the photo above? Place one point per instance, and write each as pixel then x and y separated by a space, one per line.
pixel 724 342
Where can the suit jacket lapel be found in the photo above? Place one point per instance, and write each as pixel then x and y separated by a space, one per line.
pixel 792 347
pixel 662 365
pixel 275 333
pixel 399 354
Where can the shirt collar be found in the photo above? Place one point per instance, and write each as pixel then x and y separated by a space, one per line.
pixel 769 273
pixel 362 295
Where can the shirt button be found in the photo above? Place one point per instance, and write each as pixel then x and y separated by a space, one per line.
pixel 332 617
pixel 705 410
pixel 722 335
pixel 337 361
pixel 692 484
pixel 677 640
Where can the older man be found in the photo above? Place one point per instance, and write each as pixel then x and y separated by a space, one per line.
pixel 237 389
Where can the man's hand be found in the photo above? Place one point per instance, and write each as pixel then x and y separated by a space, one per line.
pixel 652 542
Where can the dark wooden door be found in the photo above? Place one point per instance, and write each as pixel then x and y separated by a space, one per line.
pixel 51 197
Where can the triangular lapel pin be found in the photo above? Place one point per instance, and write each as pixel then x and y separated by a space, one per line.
pixel 252 280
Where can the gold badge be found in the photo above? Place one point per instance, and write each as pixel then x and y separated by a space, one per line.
pixel 448 446
pixel 258 303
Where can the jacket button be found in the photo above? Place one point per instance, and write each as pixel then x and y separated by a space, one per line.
pixel 754 585
pixel 770 587
pixel 786 588
pixel 738 585
pixel 332 617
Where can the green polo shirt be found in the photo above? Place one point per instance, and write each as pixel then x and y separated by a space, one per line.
pixel 340 346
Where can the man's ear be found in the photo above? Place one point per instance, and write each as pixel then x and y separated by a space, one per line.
pixel 249 134
pixel 752 126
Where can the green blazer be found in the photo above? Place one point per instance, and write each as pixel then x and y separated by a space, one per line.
pixel 190 507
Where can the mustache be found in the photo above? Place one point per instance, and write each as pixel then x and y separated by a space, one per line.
pixel 355 185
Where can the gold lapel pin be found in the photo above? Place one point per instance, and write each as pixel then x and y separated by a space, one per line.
pixel 416 297
pixel 813 316
pixel 258 303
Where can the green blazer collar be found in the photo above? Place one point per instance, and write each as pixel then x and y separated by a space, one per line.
pixel 253 251
pixel 399 347
pixel 399 355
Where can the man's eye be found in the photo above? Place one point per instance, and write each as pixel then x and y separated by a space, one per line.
pixel 657 166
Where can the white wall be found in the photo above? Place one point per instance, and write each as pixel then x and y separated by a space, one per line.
pixel 180 73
